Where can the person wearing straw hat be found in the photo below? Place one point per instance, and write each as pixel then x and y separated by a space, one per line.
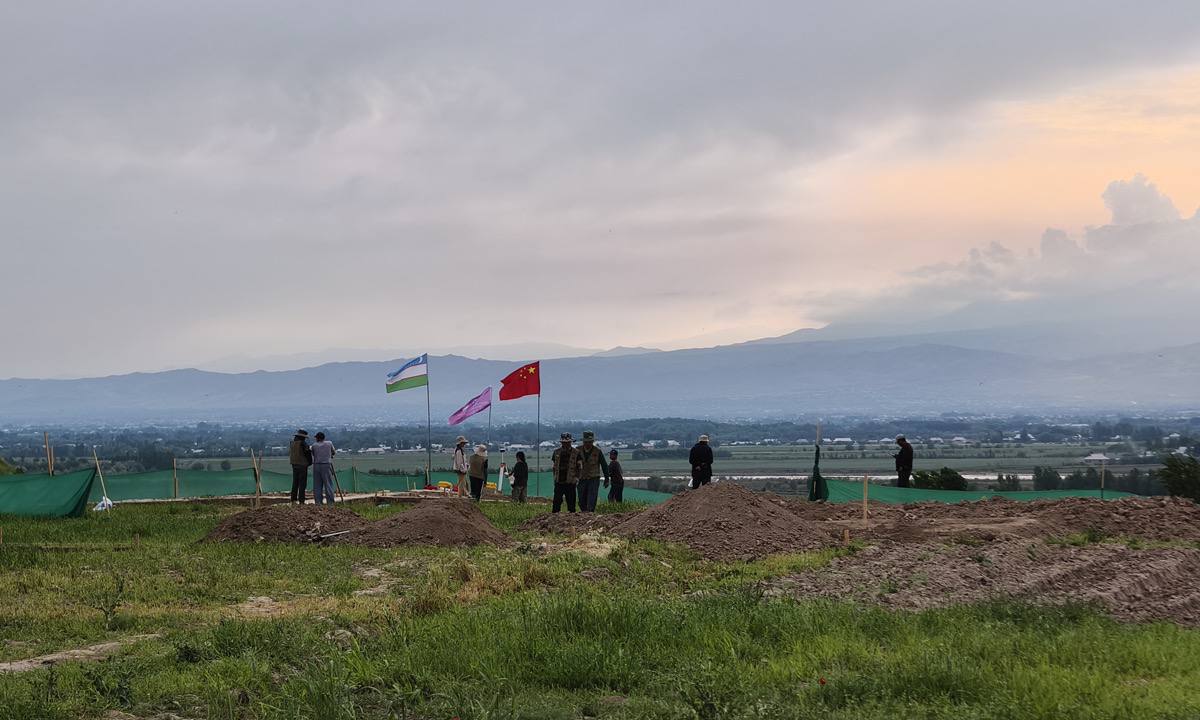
pixel 477 469
pixel 300 456
pixel 461 465
pixel 701 460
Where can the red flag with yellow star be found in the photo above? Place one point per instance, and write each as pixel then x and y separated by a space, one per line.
pixel 525 380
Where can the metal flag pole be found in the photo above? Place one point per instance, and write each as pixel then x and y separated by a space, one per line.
pixel 539 443
pixel 489 434
pixel 428 431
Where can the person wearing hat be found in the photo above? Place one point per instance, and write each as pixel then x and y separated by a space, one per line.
pixel 701 460
pixel 477 469
pixel 520 478
pixel 300 456
pixel 617 492
pixel 565 465
pixel 591 466
pixel 460 463
pixel 904 461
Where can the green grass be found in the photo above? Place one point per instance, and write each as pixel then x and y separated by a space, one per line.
pixel 535 631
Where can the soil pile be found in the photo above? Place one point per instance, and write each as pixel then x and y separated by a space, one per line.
pixel 1137 585
pixel 431 522
pixel 1157 518
pixel 566 523
pixel 285 523
pixel 725 521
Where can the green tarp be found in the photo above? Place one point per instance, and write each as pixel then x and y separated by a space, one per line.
pixel 45 495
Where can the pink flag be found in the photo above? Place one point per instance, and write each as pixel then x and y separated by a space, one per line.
pixel 477 404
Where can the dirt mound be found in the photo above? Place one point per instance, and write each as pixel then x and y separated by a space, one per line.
pixel 432 522
pixel 565 523
pixel 1157 518
pixel 285 523
pixel 1138 585
pixel 725 521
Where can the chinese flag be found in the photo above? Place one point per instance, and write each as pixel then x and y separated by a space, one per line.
pixel 526 380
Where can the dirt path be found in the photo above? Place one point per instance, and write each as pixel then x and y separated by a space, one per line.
pixel 92 653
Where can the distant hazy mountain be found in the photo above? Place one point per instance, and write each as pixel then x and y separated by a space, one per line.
pixel 622 350
pixel 876 377
pixel 296 361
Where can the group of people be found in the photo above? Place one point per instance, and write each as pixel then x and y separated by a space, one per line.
pixel 318 456
pixel 578 471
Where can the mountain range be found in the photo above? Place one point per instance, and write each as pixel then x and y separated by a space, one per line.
pixel 797 375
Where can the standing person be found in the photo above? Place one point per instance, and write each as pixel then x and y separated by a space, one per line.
pixel 322 458
pixel 904 461
pixel 460 464
pixel 701 460
pixel 565 465
pixel 617 492
pixel 520 478
pixel 301 458
pixel 592 465
pixel 477 469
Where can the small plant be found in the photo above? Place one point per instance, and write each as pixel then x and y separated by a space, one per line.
pixel 108 599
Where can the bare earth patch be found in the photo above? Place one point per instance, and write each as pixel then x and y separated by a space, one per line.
pixel 89 653
pixel 1137 585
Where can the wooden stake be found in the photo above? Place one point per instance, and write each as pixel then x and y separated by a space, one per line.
pixel 103 489
pixel 175 478
pixel 49 459
pixel 846 536
pixel 865 477
pixel 137 540
pixel 257 480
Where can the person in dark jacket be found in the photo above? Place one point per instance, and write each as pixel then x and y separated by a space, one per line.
pixel 520 478
pixel 904 461
pixel 592 466
pixel 300 456
pixel 617 492
pixel 565 466
pixel 701 460
pixel 478 470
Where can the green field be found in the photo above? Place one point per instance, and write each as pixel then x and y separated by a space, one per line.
pixel 540 630
pixel 776 460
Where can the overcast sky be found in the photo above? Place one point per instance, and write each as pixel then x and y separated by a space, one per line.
pixel 181 182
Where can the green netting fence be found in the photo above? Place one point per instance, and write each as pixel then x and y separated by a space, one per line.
pixel 68 494
pixel 39 495
pixel 841 491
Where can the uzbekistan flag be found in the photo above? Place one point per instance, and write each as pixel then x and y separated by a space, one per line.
pixel 415 373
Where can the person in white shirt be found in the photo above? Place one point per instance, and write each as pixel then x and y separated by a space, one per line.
pixel 461 464
pixel 322 458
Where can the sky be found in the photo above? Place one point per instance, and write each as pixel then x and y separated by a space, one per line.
pixel 183 183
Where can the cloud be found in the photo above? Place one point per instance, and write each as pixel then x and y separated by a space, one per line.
pixel 185 182
pixel 1126 282
pixel 1137 201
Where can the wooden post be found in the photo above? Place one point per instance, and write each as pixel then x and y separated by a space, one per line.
pixel 49 458
pixel 1102 478
pixel 100 472
pixel 865 477
pixel 175 478
pixel 353 477
pixel 257 480
pixel 846 536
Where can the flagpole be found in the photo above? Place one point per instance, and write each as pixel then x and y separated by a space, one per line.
pixel 428 431
pixel 489 435
pixel 539 442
